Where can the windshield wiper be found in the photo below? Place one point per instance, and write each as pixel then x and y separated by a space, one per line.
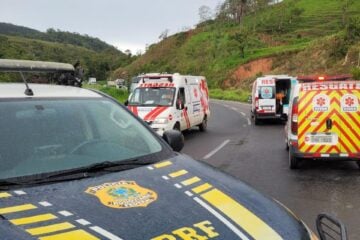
pixel 73 174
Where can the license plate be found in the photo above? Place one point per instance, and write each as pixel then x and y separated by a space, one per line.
pixel 324 139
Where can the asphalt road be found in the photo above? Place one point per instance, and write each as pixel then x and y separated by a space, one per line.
pixel 257 155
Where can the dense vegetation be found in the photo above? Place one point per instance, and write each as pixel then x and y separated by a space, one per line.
pixel 98 58
pixel 289 33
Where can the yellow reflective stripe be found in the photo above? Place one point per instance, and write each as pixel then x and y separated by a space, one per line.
pixel 73 235
pixel 190 181
pixel 50 228
pixel 18 208
pixel 4 195
pixel 201 188
pixel 163 164
pixel 178 173
pixel 248 221
pixel 33 219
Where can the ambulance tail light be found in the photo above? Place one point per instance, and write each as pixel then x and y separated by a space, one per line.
pixel 256 103
pixel 294 116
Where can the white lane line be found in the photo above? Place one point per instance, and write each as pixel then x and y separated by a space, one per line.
pixel 249 121
pixel 105 233
pixel 189 193
pixel 221 218
pixel 83 222
pixel 213 152
pixel 234 109
pixel 165 177
pixel 150 168
pixel 65 213
pixel 177 185
pixel 242 113
pixel 45 204
pixel 20 192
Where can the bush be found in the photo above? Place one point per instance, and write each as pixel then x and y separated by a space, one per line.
pixel 232 95
pixel 356 73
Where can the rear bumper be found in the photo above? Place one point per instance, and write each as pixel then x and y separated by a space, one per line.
pixel 270 116
pixel 324 156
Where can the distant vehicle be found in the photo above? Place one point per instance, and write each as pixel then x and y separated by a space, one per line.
pixel 270 97
pixel 92 80
pixel 134 83
pixel 75 164
pixel 121 84
pixel 171 101
pixel 324 122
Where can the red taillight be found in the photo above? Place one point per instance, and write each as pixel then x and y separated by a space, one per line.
pixel 294 117
pixel 256 103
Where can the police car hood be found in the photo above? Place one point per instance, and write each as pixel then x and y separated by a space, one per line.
pixel 175 199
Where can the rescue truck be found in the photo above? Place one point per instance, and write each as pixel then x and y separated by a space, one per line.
pixel 324 121
pixel 270 97
pixel 171 101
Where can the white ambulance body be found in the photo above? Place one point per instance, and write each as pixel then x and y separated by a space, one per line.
pixel 265 105
pixel 171 101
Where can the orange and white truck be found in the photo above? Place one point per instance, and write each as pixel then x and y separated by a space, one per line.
pixel 324 122
pixel 171 101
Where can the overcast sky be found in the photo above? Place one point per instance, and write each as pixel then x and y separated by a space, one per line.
pixel 127 24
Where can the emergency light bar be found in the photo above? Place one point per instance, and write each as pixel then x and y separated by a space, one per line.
pixel 157 78
pixel 315 78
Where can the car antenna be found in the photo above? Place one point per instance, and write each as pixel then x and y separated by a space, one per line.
pixel 28 90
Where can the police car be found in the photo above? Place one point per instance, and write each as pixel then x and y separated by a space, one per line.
pixel 77 165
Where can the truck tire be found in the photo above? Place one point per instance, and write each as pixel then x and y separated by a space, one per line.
pixel 293 161
pixel 203 125
pixel 256 120
pixel 358 163
pixel 177 127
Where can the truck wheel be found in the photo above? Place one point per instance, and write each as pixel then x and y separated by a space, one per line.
pixel 256 120
pixel 203 125
pixel 358 163
pixel 177 127
pixel 287 146
pixel 293 161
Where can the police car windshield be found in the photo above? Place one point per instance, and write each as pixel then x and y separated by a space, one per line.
pixel 43 135
pixel 152 97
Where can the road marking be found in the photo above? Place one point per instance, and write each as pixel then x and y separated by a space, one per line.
pixel 18 208
pixel 213 152
pixel 83 222
pixel 190 181
pixel 33 219
pixel 178 173
pixel 20 192
pixel 65 213
pixel 150 168
pixel 249 121
pixel 201 188
pixel 45 204
pixel 242 113
pixel 50 228
pixel 73 235
pixel 165 177
pixel 234 109
pixel 105 233
pixel 177 185
pixel 222 219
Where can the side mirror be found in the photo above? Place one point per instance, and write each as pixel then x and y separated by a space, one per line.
pixel 175 139
pixel 126 102
pixel 250 99
pixel 330 228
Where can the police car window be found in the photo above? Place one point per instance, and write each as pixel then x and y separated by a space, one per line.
pixel 50 135
pixel 267 92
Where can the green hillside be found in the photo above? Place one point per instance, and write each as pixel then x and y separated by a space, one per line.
pixel 98 58
pixel 282 32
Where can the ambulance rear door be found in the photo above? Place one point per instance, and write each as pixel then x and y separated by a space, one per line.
pixel 319 121
pixel 267 101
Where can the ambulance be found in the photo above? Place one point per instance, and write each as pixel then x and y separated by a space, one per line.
pixel 171 101
pixel 324 122
pixel 270 97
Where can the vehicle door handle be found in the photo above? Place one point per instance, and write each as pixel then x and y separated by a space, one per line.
pixel 329 124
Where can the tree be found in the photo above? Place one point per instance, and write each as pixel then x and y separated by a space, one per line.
pixel 128 52
pixel 164 34
pixel 205 13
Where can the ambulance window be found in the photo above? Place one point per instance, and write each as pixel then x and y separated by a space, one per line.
pixel 181 95
pixel 267 92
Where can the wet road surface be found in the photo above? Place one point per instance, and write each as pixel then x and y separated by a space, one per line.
pixel 257 155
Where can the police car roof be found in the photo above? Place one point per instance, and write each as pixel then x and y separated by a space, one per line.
pixel 16 90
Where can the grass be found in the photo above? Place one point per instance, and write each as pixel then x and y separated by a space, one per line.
pixel 230 94
pixel 119 94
